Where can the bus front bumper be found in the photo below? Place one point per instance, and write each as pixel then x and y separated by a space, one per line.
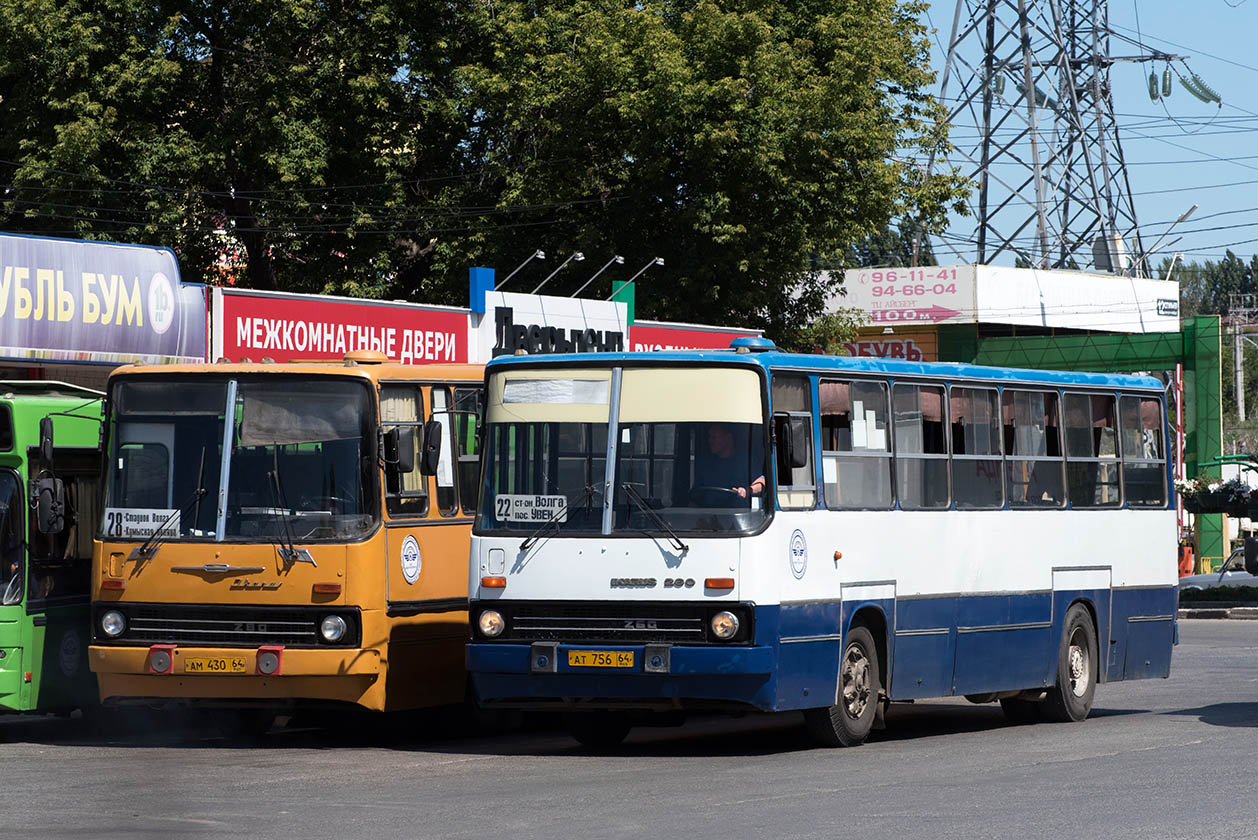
pixel 544 674
pixel 193 673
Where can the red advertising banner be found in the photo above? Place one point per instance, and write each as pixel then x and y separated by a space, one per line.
pixel 645 337
pixel 297 327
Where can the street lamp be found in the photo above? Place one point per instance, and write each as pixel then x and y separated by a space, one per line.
pixel 536 255
pixel 576 255
pixel 619 260
pixel 1183 218
pixel 656 261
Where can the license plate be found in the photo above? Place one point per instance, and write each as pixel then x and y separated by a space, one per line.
pixel 215 665
pixel 601 658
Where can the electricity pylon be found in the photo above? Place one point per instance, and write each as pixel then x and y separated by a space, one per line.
pixel 1050 182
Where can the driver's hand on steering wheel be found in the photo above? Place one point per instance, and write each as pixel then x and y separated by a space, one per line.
pixel 741 491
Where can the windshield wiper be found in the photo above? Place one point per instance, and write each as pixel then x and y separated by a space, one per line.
pixel 554 520
pixel 147 549
pixel 288 552
pixel 632 494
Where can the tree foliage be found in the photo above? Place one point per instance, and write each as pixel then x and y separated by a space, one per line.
pixel 376 147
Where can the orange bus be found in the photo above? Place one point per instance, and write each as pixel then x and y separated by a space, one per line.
pixel 278 536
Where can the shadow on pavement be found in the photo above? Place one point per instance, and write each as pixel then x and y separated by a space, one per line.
pixel 1224 714
pixel 456 730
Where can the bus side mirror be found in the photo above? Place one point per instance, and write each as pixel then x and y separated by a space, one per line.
pixel 432 448
pixel 45 441
pixel 399 449
pixel 50 504
pixel 1251 555
pixel 793 434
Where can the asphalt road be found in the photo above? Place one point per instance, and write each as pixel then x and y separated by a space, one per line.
pixel 1174 758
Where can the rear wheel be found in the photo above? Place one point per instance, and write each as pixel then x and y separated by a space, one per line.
pixel 847 722
pixel 1071 698
pixel 598 730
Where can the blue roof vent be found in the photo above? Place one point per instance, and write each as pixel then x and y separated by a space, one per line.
pixel 752 344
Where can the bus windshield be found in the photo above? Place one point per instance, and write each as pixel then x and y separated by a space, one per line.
pixel 688 452
pixel 300 462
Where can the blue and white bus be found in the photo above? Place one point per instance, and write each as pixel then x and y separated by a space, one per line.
pixel 753 529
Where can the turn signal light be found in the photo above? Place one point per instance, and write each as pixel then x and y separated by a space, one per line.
pixel 327 589
pixel 718 583
pixel 493 583
pixel 113 585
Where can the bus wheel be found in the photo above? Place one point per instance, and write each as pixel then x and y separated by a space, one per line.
pixel 847 723
pixel 1019 711
pixel 1071 698
pixel 598 730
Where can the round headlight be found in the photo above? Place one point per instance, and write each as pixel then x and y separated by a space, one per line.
pixel 724 625
pixel 332 628
pixel 113 623
pixel 491 624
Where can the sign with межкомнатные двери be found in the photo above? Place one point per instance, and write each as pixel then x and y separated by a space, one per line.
pixel 79 301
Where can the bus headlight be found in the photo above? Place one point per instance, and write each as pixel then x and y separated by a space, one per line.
pixel 491 624
pixel 724 625
pixel 332 628
pixel 113 623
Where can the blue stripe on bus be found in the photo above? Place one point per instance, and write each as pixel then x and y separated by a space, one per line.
pixel 1000 643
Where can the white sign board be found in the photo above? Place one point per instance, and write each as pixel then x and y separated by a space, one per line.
pixel 526 508
pixel 896 297
pixel 993 294
pixel 140 523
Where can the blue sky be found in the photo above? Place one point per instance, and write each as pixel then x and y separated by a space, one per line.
pixel 1180 151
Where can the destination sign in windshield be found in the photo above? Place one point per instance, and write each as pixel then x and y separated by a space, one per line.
pixel 531 508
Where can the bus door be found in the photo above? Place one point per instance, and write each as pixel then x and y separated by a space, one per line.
pixel 430 509
pixel 13 695
pixel 58 582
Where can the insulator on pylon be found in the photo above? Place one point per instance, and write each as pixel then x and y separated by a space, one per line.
pixel 1211 94
pixel 1153 86
pixel 1166 82
pixel 999 85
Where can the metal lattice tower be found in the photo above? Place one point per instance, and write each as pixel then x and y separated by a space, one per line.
pixel 1044 153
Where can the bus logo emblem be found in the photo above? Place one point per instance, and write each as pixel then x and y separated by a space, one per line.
pixel 799 554
pixel 412 561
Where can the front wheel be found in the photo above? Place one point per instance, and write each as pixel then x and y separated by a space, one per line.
pixel 1070 699
pixel 848 721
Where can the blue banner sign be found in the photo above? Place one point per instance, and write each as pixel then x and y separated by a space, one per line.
pixel 68 300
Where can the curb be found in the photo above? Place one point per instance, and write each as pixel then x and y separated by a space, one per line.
pixel 1244 613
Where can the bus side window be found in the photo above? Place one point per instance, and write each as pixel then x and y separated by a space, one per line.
pixel 797 486
pixel 403 405
pixel 977 474
pixel 1035 470
pixel 921 453
pixel 1092 451
pixel 1144 456
pixel 447 501
pixel 12 569
pixel 466 429
pixel 855 444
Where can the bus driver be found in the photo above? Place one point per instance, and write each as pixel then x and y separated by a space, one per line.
pixel 723 469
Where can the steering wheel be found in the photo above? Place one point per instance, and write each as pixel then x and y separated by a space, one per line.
pixel 706 495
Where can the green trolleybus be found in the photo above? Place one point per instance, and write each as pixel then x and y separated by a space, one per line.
pixel 49 506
